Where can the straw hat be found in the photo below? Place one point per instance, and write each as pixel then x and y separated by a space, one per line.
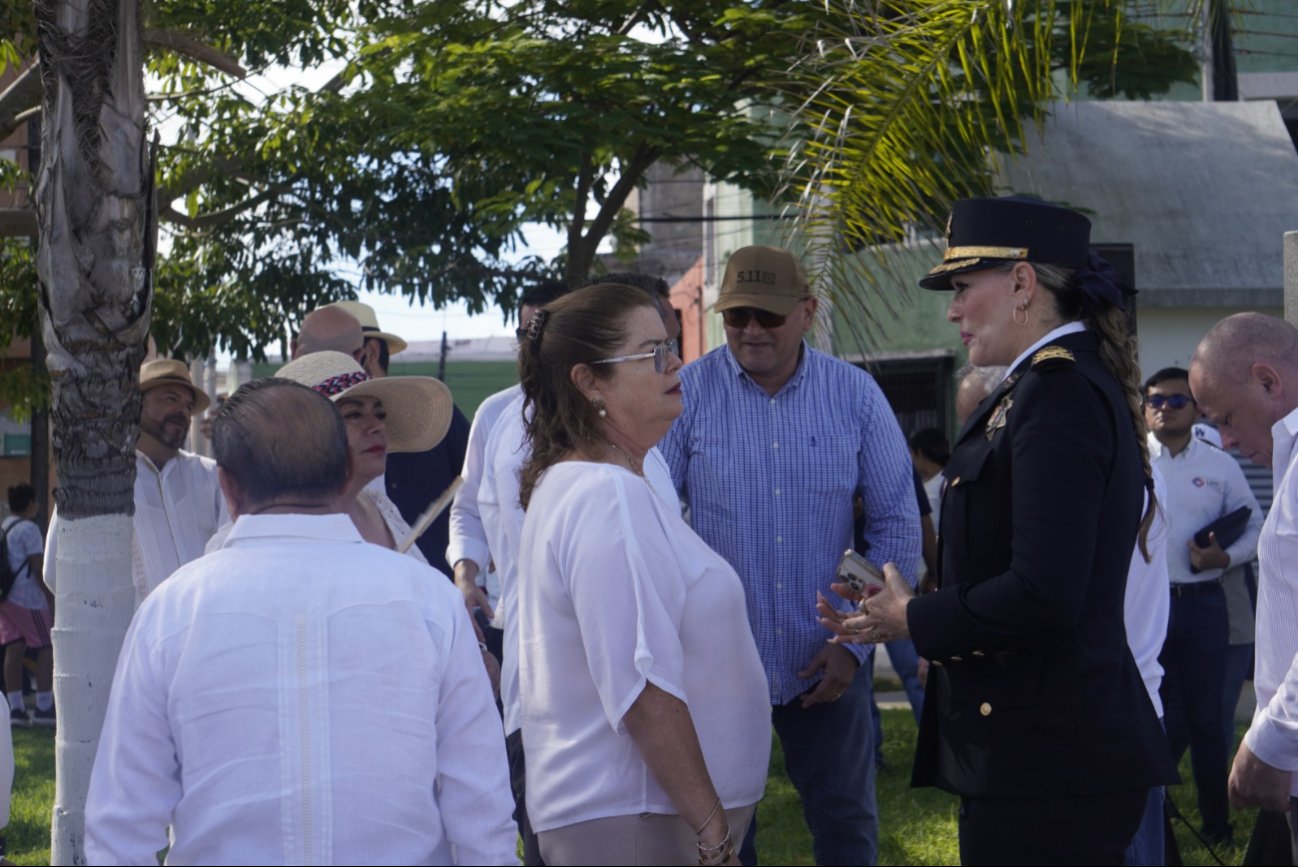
pixel 364 314
pixel 169 371
pixel 419 407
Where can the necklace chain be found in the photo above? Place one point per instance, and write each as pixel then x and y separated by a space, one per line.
pixel 626 457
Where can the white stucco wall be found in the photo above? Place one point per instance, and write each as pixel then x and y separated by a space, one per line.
pixel 1168 335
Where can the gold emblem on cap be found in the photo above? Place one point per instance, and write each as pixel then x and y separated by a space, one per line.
pixel 997 421
pixel 974 252
pixel 943 267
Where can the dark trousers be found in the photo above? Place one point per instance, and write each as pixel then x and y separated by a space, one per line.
pixel 518 782
pixel 1239 668
pixel 829 755
pixel 1090 829
pixel 1194 677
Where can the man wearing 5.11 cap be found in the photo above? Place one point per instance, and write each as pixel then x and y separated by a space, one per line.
pixel 775 443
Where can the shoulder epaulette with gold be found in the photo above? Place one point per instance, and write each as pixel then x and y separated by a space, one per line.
pixel 1052 358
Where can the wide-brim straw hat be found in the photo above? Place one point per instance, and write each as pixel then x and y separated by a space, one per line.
pixel 418 408
pixel 169 371
pixel 364 314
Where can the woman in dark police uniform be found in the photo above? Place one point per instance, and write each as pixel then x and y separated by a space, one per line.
pixel 1036 715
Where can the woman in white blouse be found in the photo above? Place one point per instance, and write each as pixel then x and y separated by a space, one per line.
pixel 645 711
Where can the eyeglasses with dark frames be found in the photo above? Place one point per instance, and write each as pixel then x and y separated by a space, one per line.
pixel 661 354
pixel 1172 401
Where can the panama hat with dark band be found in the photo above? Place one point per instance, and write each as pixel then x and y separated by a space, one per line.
pixel 418 407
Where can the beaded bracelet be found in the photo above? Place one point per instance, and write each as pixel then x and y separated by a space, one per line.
pixel 718 854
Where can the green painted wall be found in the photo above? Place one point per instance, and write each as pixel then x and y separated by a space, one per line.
pixel 907 318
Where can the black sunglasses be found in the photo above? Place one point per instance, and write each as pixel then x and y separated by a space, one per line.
pixel 1174 401
pixel 738 317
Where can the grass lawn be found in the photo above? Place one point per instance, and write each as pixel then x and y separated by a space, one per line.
pixel 917 826
pixel 28 834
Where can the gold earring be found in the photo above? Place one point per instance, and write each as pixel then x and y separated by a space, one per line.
pixel 1015 315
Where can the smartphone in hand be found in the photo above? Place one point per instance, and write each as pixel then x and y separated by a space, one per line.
pixel 860 574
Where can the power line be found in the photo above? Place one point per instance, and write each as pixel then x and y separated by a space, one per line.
pixel 714 218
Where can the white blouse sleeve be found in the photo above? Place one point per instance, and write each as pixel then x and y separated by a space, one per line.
pixel 617 564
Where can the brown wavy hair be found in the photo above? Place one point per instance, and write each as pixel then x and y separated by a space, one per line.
pixel 1118 350
pixel 580 328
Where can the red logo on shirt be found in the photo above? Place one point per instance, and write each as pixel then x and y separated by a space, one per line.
pixel 1198 482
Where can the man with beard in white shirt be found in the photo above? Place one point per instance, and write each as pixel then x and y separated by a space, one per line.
pixel 178 504
pixel 1204 484
pixel 1244 376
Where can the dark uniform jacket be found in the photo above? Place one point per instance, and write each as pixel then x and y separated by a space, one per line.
pixel 1033 690
pixel 414 479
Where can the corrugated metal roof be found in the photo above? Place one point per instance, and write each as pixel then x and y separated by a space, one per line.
pixel 1204 190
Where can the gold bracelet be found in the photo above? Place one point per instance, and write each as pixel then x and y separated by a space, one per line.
pixel 715 807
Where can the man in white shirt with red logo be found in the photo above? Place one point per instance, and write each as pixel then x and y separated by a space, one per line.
pixel 1244 376
pixel 1204 484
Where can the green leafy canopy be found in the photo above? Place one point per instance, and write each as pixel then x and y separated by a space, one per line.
pixel 406 146
pixel 430 137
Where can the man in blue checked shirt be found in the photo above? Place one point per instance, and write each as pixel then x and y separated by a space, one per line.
pixel 775 443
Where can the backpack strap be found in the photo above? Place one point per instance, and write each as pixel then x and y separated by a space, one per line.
pixel 4 540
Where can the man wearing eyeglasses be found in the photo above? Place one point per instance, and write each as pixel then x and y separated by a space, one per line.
pixel 775 443
pixel 1203 484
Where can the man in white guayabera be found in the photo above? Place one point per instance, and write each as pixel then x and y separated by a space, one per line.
pixel 242 712
pixel 178 505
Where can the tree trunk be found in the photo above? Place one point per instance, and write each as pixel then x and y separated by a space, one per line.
pixel 92 198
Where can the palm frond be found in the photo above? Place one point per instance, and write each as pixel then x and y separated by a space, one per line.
pixel 903 102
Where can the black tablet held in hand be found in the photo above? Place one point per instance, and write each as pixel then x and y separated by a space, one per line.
pixel 1227 528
